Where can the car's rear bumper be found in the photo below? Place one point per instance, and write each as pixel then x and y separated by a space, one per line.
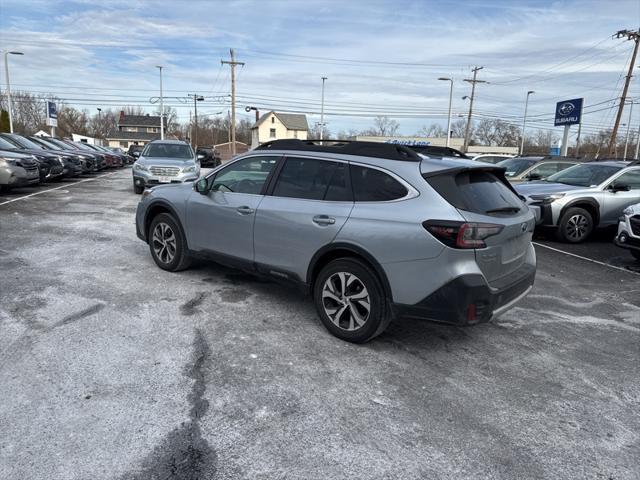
pixel 469 299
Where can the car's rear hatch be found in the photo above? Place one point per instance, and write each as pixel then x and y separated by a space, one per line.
pixel 482 195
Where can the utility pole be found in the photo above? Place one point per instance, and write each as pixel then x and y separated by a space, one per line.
pixel 233 64
pixel 99 129
pixel 473 82
pixel 6 71
pixel 196 98
pixel 626 141
pixel 524 121
pixel 578 139
pixel 161 106
pixel 322 111
pixel 635 36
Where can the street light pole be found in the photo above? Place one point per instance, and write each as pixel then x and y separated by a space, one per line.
pixel 450 99
pixel 626 142
pixel 524 121
pixel 322 110
pixel 99 125
pixel 196 98
pixel 161 105
pixel 6 71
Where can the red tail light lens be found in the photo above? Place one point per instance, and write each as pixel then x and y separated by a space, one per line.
pixel 462 234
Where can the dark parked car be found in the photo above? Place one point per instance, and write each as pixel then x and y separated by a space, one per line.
pixel 135 150
pixel 49 164
pixel 72 164
pixel 208 157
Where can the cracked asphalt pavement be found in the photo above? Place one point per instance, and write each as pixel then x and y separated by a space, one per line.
pixel 111 368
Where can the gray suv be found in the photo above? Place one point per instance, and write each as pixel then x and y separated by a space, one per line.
pixel 373 231
pixel 165 161
pixel 581 198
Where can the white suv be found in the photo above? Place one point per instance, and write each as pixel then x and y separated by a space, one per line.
pixel 629 230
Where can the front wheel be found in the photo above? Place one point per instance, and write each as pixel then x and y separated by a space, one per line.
pixel 350 300
pixel 167 244
pixel 575 225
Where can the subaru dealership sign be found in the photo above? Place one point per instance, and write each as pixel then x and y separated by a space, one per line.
pixel 568 112
pixel 409 143
pixel 52 114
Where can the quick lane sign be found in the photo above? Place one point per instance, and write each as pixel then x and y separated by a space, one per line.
pixel 568 112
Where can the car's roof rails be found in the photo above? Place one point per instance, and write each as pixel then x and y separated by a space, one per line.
pixel 389 151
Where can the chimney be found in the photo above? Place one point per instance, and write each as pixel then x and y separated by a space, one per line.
pixel 257 115
pixel 121 115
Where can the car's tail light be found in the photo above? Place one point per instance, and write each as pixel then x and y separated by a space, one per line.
pixel 462 234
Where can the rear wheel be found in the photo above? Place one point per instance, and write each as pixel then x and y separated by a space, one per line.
pixel 167 244
pixel 350 300
pixel 575 225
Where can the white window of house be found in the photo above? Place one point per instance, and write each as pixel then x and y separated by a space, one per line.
pixel 152 130
pixel 130 129
pixel 272 133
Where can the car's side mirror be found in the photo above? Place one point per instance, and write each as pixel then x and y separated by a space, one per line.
pixel 620 188
pixel 202 186
pixel 534 176
pixel 136 154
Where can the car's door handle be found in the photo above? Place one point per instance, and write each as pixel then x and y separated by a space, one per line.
pixel 245 210
pixel 324 220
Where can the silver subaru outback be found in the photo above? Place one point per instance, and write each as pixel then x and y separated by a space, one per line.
pixel 165 161
pixel 372 231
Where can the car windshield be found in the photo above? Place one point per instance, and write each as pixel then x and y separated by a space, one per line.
pixel 168 150
pixel 7 145
pixel 48 143
pixel 584 175
pixel 59 143
pixel 515 166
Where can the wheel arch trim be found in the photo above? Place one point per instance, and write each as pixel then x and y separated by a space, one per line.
pixel 591 202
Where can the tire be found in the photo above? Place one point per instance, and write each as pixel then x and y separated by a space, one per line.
pixel 137 189
pixel 167 244
pixel 636 254
pixel 329 297
pixel 575 225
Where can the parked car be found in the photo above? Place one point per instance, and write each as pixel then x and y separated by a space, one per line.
pixel 72 164
pixel 491 158
pixel 581 198
pixel 31 145
pixel 17 170
pixel 628 236
pixel 49 164
pixel 102 161
pixel 165 161
pixel 372 230
pixel 128 159
pixel 117 160
pixel 135 150
pixel 526 169
pixel 209 157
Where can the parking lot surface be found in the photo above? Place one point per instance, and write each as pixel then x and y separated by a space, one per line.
pixel 114 369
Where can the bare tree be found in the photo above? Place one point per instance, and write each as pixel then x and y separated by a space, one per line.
pixel 314 132
pixel 497 133
pixel 433 130
pixel 383 127
pixel 458 128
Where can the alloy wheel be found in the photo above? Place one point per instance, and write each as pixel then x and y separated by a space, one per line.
pixel 577 227
pixel 164 243
pixel 346 301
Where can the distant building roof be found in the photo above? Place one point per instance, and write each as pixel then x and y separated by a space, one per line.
pixel 118 135
pixel 292 121
pixel 139 120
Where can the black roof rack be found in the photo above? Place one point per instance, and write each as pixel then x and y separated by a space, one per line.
pixel 438 151
pixel 389 151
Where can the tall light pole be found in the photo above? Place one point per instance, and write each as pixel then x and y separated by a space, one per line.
pixel 159 67
pixel 99 125
pixel 6 71
pixel 524 121
pixel 196 98
pixel 626 142
pixel 322 110
pixel 449 118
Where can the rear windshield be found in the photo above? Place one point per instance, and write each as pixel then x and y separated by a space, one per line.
pixel 476 191
pixel 168 150
pixel 515 166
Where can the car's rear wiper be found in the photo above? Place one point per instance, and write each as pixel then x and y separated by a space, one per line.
pixel 504 210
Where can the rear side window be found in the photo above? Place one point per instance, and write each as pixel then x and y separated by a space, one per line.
pixel 371 185
pixel 313 179
pixel 475 191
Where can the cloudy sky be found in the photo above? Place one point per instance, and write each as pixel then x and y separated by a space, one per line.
pixel 380 57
